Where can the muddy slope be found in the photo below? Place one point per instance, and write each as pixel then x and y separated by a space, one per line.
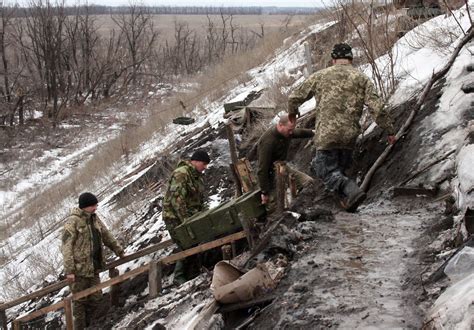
pixel 358 271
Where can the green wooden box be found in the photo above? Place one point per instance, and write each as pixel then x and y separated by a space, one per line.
pixel 220 221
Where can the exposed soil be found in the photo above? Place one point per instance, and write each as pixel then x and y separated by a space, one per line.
pixel 359 270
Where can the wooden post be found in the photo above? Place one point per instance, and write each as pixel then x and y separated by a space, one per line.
pixel 309 62
pixel 234 249
pixel 68 313
pixel 248 231
pixel 233 157
pixel 292 183
pixel 16 325
pixel 3 319
pixel 226 252
pixel 115 289
pixel 154 279
pixel 248 120
pixel 281 175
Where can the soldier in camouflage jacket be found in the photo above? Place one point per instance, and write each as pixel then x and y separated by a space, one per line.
pixel 82 240
pixel 341 91
pixel 184 198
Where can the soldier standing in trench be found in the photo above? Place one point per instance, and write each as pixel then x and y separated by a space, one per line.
pixel 184 198
pixel 341 92
pixel 273 146
pixel 83 236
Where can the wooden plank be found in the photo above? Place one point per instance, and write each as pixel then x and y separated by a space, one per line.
pixel 118 279
pixel 16 325
pixel 36 294
pixel 203 247
pixel 3 319
pixel 226 252
pixel 281 175
pixel 244 171
pixel 154 279
pixel 40 312
pixel 138 254
pixel 115 289
pixel 62 284
pixel 68 313
pixel 233 157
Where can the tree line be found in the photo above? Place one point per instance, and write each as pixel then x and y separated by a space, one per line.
pixel 52 57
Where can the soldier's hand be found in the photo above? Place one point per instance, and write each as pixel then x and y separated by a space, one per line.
pixel 71 278
pixel 391 139
pixel 121 255
pixel 264 198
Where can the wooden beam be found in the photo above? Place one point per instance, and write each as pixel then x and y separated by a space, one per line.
pixel 3 319
pixel 68 312
pixel 233 157
pixel 112 281
pixel 141 253
pixel 201 248
pixel 226 252
pixel 154 279
pixel 281 178
pixel 62 284
pixel 36 294
pixel 40 312
pixel 115 289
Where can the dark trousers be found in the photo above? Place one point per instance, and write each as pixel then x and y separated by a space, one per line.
pixel 330 166
pixel 84 309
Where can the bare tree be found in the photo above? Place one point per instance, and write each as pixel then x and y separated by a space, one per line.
pixel 140 37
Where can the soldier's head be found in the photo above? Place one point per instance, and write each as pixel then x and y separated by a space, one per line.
pixel 342 53
pixel 285 126
pixel 88 202
pixel 200 159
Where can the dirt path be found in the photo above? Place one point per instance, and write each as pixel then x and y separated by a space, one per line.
pixel 359 271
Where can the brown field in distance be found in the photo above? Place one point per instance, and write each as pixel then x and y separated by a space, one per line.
pixel 165 23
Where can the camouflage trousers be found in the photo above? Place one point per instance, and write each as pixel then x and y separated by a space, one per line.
pixel 330 166
pixel 85 308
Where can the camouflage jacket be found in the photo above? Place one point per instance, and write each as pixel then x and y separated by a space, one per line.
pixel 341 92
pixel 185 195
pixel 272 147
pixel 78 246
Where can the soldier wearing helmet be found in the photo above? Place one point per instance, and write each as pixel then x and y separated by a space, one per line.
pixel 341 91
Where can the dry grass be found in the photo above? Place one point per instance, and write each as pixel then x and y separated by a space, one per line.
pixel 212 85
pixel 165 23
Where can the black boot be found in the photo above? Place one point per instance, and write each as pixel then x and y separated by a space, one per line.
pixel 354 196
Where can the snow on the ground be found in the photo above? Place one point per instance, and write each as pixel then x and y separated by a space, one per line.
pixel 412 70
pixel 454 309
pixel 285 62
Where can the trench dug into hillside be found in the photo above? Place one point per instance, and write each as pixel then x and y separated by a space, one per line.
pixel 345 270
pixel 362 270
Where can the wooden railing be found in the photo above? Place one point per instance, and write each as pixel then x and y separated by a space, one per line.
pixel 154 269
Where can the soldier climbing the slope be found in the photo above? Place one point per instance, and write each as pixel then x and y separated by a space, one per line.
pixel 273 146
pixel 184 198
pixel 341 92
